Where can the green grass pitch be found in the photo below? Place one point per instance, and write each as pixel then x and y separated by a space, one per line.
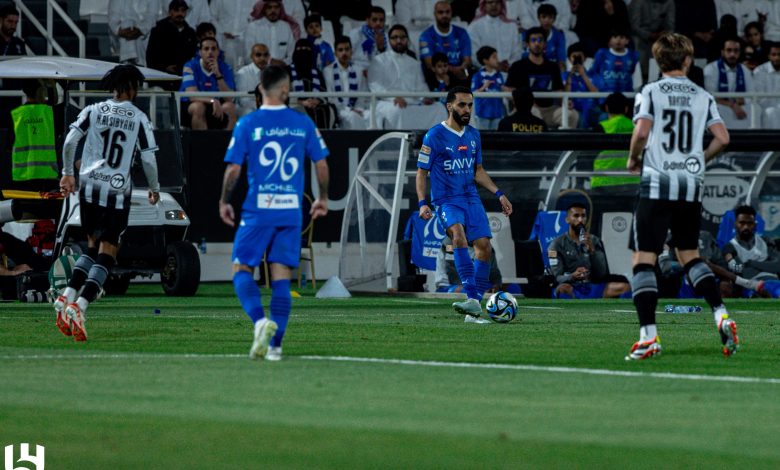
pixel 387 382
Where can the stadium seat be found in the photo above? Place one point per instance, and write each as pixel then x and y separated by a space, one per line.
pixel 615 231
pixel 503 244
pixel 547 226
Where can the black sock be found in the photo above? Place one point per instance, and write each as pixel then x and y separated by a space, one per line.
pixel 645 290
pixel 703 282
pixel 97 276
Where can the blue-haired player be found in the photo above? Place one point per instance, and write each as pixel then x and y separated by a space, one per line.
pixel 451 153
pixel 273 142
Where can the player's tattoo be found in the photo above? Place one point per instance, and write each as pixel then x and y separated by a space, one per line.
pixel 228 184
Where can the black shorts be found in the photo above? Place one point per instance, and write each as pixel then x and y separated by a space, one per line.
pixel 654 218
pixel 211 121
pixel 107 225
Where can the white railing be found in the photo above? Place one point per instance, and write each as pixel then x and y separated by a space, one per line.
pixel 48 32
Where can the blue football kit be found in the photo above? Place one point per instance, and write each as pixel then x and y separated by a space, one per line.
pixel 274 143
pixel 456 45
pixel 615 72
pixel 451 157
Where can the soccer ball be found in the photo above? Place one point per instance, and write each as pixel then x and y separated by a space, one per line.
pixel 60 273
pixel 501 307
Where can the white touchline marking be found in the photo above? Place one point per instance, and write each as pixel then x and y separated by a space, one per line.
pixel 406 301
pixel 409 362
pixel 565 370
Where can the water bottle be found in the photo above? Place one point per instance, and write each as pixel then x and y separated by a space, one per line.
pixel 202 246
pixel 583 236
pixel 682 308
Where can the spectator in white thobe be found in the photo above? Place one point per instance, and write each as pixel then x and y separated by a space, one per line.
pixel 725 75
pixel 766 78
pixel 343 75
pixel 129 23
pixel 249 76
pixel 744 11
pixel 231 18
pixel 273 31
pixel 396 71
pixel 492 28
pixel 370 38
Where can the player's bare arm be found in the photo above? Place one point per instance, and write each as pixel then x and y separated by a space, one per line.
pixel 638 142
pixel 421 185
pixel 484 180
pixel 320 207
pixel 226 212
pixel 719 141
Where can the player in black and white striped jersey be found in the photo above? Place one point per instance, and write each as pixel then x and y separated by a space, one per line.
pixel 114 129
pixel 671 116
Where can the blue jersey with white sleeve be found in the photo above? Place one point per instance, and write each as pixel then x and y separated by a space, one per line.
pixel 451 158
pixel 274 142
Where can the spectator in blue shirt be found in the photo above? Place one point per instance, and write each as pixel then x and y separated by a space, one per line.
pixel 323 51
pixel 443 80
pixel 614 65
pixel 555 39
pixel 207 72
pixel 577 79
pixel 444 37
pixel 488 111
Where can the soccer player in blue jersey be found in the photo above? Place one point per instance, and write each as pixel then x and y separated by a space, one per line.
pixel 451 153
pixel 273 142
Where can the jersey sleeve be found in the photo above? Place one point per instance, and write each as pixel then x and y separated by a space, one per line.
pixel 713 116
pixel 316 149
pixel 643 105
pixel 82 122
pixel 465 43
pixel 425 156
pixel 238 148
pixel 426 45
pixel 146 140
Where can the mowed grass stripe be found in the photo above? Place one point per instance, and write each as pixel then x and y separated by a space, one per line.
pixel 408 362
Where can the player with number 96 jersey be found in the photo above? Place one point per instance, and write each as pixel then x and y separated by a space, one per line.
pixel 274 141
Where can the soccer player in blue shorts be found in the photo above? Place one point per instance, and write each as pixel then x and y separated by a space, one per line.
pixel 451 153
pixel 273 142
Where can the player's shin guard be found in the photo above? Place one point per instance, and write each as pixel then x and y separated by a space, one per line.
pixel 645 289
pixel 465 268
pixel 703 281
pixel 97 276
pixel 281 304
pixel 80 273
pixel 248 294
pixel 482 276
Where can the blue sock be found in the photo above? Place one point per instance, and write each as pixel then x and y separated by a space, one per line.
pixel 482 276
pixel 466 272
pixel 248 294
pixel 281 304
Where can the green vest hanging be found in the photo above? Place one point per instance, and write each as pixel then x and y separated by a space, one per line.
pixel 33 155
pixel 613 159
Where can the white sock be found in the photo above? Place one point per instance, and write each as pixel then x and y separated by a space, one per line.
pixel 70 294
pixel 83 304
pixel 647 332
pixel 719 312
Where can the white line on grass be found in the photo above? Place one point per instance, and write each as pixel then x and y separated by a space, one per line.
pixel 408 362
pixel 564 370
pixel 405 301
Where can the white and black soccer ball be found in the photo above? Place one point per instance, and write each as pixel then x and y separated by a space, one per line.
pixel 501 307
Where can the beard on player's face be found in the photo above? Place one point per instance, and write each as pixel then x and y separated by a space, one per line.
pixel 461 118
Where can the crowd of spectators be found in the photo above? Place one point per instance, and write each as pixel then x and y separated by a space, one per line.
pixel 490 45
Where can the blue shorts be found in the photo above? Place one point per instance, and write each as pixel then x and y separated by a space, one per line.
pixel 470 214
pixel 283 245
pixel 585 290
